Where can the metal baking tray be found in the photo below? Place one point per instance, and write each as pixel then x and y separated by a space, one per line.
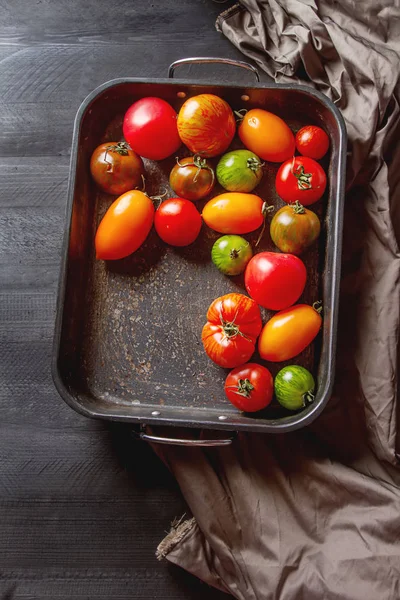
pixel 127 341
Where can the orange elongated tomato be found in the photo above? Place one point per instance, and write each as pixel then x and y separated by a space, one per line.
pixel 231 331
pixel 267 135
pixel 206 125
pixel 289 332
pixel 125 226
pixel 234 212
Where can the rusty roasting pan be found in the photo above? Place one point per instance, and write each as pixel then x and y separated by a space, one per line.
pixel 127 342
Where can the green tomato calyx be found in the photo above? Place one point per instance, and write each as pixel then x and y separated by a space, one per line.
pixel 234 253
pixel 240 114
pixel 199 162
pixel 308 398
pixel 244 387
pixel 120 148
pixel 303 179
pixel 298 208
pixel 317 306
pixel 254 164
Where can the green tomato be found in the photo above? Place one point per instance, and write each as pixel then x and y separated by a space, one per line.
pixel 294 387
pixel 239 171
pixel 231 253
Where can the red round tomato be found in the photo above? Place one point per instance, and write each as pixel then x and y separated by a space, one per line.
pixel 150 128
pixel 249 387
pixel 206 125
pixel 312 141
pixel 177 222
pixel 301 179
pixel 116 168
pixel 192 177
pixel 289 332
pixel 125 226
pixel 233 325
pixel 274 280
pixel 267 135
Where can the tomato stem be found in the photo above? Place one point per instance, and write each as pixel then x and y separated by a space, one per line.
pixel 265 210
pixel 240 114
pixel 254 164
pixel 308 398
pixel 143 184
pixel 244 387
pixel 159 197
pixel 229 328
pixel 120 148
pixel 298 208
pixel 200 163
pixel 317 306
pixel 303 178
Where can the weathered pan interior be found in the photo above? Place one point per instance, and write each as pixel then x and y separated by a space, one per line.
pixel 128 334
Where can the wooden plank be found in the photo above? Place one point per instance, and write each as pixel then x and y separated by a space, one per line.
pixel 82 504
pixel 74 22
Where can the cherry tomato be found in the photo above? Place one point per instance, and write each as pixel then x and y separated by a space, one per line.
pixel 234 212
pixel 116 168
pixel 192 177
pixel 125 226
pixel 177 222
pixel 274 280
pixel 294 228
pixel 233 325
pixel 289 332
pixel 150 128
pixel 249 387
pixel 206 124
pixel 239 171
pixel 294 387
pixel 301 179
pixel 312 141
pixel 267 135
pixel 230 254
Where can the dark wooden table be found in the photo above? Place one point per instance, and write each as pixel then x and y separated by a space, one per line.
pixel 82 505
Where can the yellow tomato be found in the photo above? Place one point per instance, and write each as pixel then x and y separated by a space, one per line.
pixel 267 135
pixel 289 332
pixel 234 212
pixel 125 226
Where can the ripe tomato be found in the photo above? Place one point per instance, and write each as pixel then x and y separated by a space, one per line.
pixel 234 212
pixel 267 135
pixel 289 332
pixel 301 179
pixel 293 228
pixel 249 387
pixel 233 325
pixel 230 254
pixel 192 177
pixel 206 125
pixel 125 226
pixel 116 168
pixel 312 141
pixel 239 171
pixel 275 280
pixel 294 387
pixel 150 128
pixel 177 222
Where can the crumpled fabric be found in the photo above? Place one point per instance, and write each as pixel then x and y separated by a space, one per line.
pixel 314 514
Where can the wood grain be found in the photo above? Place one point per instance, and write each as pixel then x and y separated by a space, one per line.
pixel 83 505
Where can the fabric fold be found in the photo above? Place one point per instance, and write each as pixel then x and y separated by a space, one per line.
pixel 314 514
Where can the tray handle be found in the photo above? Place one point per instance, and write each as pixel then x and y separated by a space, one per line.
pixel 156 439
pixel 212 59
